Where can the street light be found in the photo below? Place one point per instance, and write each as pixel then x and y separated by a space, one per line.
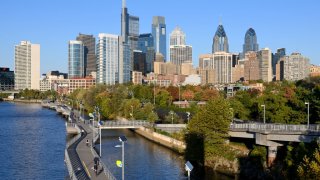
pixel 171 112
pixel 131 112
pixel 154 91
pixel 188 115
pixel 264 113
pixel 307 103
pixel 122 139
pixel 188 167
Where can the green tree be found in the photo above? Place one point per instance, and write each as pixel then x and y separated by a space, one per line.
pixel 310 167
pixel 163 98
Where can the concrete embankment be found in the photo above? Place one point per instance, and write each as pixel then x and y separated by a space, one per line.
pixel 166 141
pixel 23 100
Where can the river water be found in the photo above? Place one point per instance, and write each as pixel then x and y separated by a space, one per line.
pixel 33 141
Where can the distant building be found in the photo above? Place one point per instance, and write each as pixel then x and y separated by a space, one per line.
pixel 223 67
pixel 250 42
pixel 146 45
pixel 187 69
pixel 89 45
pixel 166 68
pixel 47 83
pixel 177 37
pixel 251 66
pixel 164 80
pixel 108 59
pixel 238 73
pixel 220 41
pixel 265 64
pixel 27 66
pixel 81 83
pixel 139 62
pixel 314 71
pixel 206 69
pixel 276 58
pixel 193 80
pixel 180 54
pixel 76 64
pixel 6 79
pixel 137 77
pixel 159 58
pixel 159 34
pixel 293 68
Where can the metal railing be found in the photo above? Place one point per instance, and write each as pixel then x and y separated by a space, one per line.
pixel 110 124
pixel 72 175
pixel 279 128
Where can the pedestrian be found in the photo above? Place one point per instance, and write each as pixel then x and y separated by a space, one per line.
pixel 87 142
pixel 82 132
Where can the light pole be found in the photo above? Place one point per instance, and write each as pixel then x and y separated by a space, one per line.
pixel 188 114
pixel 100 152
pixel 307 103
pixel 171 112
pixel 154 91
pixel 264 113
pixel 131 112
pixel 232 115
pixel 122 139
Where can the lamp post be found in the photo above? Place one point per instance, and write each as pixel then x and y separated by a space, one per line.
pixel 171 112
pixel 154 91
pixel 264 113
pixel 122 139
pixel 188 115
pixel 99 123
pixel 131 112
pixel 307 103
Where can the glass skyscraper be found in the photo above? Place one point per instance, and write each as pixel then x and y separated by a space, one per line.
pixel 89 44
pixel 220 41
pixel 159 35
pixel 179 52
pixel 250 41
pixel 146 45
pixel 76 59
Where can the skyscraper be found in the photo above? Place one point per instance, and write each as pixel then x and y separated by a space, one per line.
pixel 179 51
pixel 177 37
pixel 160 35
pixel 146 45
pixel 281 52
pixel 220 41
pixel 250 41
pixel 107 59
pixel 27 66
pixel 124 21
pixel 89 43
pixel 223 67
pixel 76 60
pixel 265 66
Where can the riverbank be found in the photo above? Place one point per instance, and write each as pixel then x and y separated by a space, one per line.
pixel 38 101
pixel 163 140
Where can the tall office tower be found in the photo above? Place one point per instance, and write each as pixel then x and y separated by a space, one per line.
pixel 177 37
pixel 124 22
pixel 139 63
pixel 293 68
pixel 76 60
pixel 206 69
pixel 250 42
pixel 108 59
pixel 146 45
pixel 125 62
pixel 89 44
pixel 27 66
pixel 251 66
pixel 281 52
pixel 160 35
pixel 133 32
pixel 179 51
pixel 265 64
pixel 223 67
pixel 220 41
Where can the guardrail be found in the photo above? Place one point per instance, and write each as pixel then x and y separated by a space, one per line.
pixel 170 126
pixel 279 128
pixel 67 158
pixel 125 123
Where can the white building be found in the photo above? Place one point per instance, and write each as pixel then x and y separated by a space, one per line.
pixel 265 64
pixel 179 51
pixel 295 67
pixel 222 63
pixel 27 66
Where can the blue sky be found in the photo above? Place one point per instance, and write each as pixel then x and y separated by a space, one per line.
pixel 293 24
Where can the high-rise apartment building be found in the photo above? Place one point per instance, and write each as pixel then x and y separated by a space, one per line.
pixel 265 64
pixel 159 34
pixel 250 41
pixel 76 60
pixel 146 45
pixel 108 59
pixel 179 52
pixel 89 50
pixel 223 67
pixel 27 66
pixel 220 41
pixel 293 68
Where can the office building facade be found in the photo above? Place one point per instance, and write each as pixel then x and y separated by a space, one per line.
pixel 146 45
pixel 250 41
pixel 294 67
pixel 265 64
pixel 159 34
pixel 89 50
pixel 76 65
pixel 220 41
pixel 6 79
pixel 27 66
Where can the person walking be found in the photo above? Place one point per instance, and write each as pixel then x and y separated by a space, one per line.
pixel 87 142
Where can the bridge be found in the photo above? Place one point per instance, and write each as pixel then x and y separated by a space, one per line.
pixel 275 135
pixel 125 124
pixel 9 92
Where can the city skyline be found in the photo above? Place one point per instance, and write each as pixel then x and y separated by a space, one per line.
pixel 277 28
